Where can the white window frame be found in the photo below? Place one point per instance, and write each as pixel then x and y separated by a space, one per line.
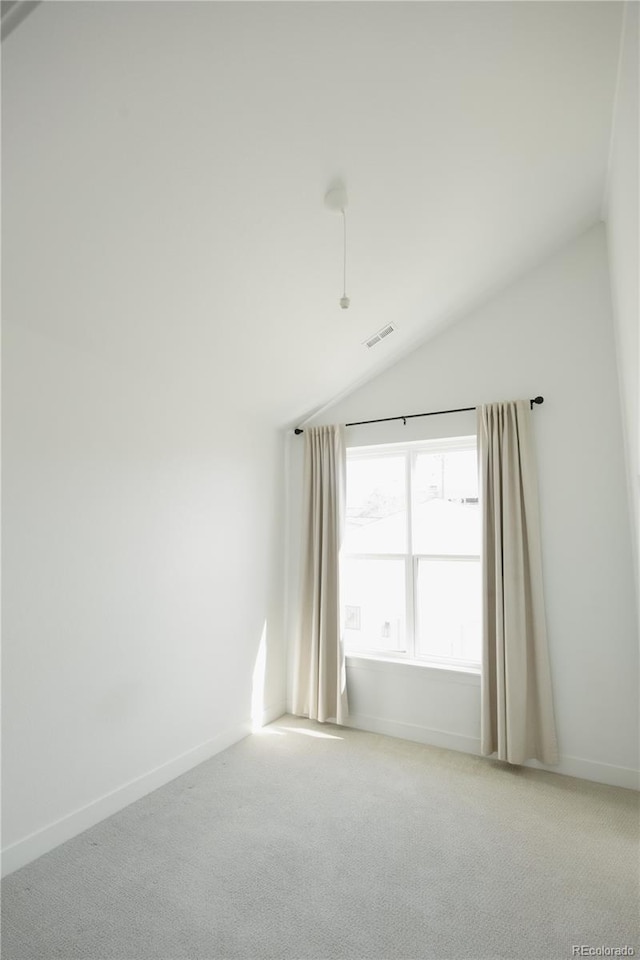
pixel 411 450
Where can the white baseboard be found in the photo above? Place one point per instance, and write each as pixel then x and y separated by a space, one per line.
pixel 592 770
pixel 415 732
pixel 23 851
pixel 569 766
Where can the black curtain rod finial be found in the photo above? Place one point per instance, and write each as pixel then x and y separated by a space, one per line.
pixel 298 431
pixel 536 400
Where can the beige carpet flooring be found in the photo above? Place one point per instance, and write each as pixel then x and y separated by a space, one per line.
pixel 314 842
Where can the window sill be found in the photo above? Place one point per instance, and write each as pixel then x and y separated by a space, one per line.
pixel 444 671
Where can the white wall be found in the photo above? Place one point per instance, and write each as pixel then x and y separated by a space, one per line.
pixel 623 227
pixel 551 334
pixel 142 504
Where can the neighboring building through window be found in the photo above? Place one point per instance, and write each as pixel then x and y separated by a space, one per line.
pixel 410 563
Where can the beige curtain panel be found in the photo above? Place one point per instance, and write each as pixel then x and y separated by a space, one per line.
pixel 319 689
pixel 517 706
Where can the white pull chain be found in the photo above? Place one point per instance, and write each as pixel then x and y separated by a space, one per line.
pixel 344 300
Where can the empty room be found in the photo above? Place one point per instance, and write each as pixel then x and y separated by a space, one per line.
pixel 321 483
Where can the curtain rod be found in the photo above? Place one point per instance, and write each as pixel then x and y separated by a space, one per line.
pixel 410 416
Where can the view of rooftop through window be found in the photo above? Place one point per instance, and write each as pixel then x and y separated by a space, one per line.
pixel 410 563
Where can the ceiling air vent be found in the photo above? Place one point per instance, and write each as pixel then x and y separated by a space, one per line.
pixel 379 335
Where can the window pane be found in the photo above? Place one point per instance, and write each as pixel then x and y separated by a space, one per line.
pixel 446 515
pixel 376 505
pixel 373 604
pixel 448 602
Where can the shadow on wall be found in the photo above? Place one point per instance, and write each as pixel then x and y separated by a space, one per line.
pixel 258 708
pixel 258 682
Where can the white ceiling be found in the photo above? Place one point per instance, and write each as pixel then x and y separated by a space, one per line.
pixel 167 163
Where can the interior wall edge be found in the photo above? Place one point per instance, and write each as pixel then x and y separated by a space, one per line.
pixel 271 714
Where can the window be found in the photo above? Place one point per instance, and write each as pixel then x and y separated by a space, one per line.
pixel 410 563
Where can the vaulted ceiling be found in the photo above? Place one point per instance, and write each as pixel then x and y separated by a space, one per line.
pixel 167 162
